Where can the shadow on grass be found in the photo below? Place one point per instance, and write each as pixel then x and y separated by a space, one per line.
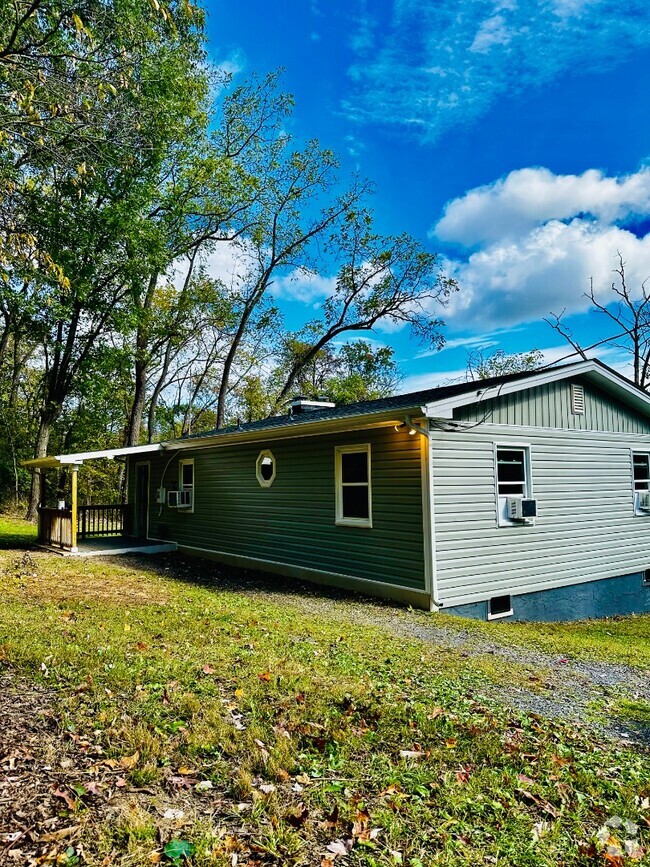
pixel 17 534
pixel 207 573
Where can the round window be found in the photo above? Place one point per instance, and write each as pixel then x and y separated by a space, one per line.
pixel 265 469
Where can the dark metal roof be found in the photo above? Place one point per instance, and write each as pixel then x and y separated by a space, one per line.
pixel 400 403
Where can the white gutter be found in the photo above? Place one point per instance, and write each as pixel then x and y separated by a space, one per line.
pixel 80 457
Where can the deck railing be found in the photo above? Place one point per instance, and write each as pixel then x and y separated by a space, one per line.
pixel 103 521
pixel 55 527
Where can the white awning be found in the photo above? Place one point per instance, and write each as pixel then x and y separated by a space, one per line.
pixel 78 458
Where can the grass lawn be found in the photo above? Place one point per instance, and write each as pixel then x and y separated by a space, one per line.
pixel 218 726
pixel 623 640
pixel 15 533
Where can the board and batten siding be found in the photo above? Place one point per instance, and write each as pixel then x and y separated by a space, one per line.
pixel 293 520
pixel 550 406
pixel 585 528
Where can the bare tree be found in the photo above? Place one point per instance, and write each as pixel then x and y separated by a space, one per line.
pixel 629 316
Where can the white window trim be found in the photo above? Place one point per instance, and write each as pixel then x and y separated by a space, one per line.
pixel 499 616
pixel 500 499
pixel 264 483
pixel 181 487
pixel 338 477
pixel 638 513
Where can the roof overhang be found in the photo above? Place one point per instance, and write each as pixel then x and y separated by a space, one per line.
pixel 298 429
pixel 76 459
pixel 593 371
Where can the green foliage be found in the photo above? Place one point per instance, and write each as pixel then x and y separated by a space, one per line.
pixel 353 372
pixel 178 851
pixel 500 363
pixel 619 639
pixel 126 162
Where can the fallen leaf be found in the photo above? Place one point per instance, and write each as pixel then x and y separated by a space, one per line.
pixel 412 754
pixel 54 836
pixel 338 847
pixel 129 762
pixel 265 676
pixel 65 796
pixel 297 816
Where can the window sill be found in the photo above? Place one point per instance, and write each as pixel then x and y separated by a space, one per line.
pixel 499 616
pixel 352 522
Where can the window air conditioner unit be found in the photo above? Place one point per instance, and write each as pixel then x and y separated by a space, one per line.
pixel 644 501
pixel 185 498
pixel 521 509
pixel 180 499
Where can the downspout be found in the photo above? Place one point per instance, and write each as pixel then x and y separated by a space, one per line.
pixel 427 501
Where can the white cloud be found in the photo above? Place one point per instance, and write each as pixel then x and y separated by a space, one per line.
pixel 526 198
pixel 432 66
pixel 561 354
pixel 303 285
pixel 524 279
pixel 534 239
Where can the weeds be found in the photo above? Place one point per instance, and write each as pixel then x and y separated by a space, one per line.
pixel 285 738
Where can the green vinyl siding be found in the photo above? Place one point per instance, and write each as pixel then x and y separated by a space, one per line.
pixel 293 520
pixel 550 406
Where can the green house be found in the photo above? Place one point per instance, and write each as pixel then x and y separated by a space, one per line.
pixel 526 496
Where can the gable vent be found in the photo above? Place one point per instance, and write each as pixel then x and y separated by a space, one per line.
pixel 577 399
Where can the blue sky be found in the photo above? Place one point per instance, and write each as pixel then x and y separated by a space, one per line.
pixel 511 137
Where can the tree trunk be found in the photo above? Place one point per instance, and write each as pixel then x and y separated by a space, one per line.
pixel 42 441
pixel 132 434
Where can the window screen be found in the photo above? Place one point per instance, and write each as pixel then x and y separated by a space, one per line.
pixel 511 472
pixel 187 475
pixel 641 464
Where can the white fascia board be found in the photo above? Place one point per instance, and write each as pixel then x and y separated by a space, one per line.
pixel 108 453
pixel 626 391
pixel 79 457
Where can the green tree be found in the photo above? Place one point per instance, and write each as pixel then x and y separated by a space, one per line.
pixel 79 187
pixel 352 372
pixel 380 280
pixel 501 363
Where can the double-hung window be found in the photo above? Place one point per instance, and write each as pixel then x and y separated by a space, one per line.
pixel 512 478
pixel 353 486
pixel 641 482
pixel 186 483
